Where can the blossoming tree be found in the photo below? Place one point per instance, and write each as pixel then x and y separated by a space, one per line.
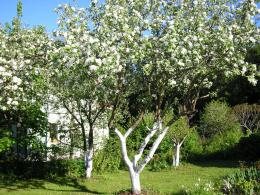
pixel 177 47
pixel 81 75
pixel 23 53
pixel 154 48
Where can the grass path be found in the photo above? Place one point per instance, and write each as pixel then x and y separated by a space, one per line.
pixel 164 182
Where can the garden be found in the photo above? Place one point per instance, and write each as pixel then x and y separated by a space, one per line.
pixel 132 97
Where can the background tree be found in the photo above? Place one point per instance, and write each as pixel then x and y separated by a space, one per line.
pixel 178 132
pixel 248 116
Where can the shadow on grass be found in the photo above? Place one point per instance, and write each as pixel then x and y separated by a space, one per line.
pixel 72 182
pixel 11 183
pixel 217 163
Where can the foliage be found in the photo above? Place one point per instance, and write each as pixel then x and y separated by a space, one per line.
pixel 217 118
pixel 224 142
pixel 6 141
pixel 65 168
pixel 242 182
pixel 40 169
pixel 180 130
pixel 192 147
pixel 160 161
pixel 253 54
pixel 108 159
pixel 24 129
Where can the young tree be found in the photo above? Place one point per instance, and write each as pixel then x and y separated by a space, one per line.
pixel 178 133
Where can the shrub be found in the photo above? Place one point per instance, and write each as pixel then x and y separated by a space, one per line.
pixel 224 142
pixel 66 168
pixel 159 162
pixel 39 169
pixel 242 182
pixel 217 118
pixel 108 158
pixel 192 147
pixel 6 141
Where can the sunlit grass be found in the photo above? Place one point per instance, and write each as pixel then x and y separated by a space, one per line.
pixel 164 182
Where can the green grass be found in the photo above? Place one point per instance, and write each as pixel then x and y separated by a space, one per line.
pixel 164 182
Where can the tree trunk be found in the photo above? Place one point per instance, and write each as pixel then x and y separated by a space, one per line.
pixel 135 181
pixel 89 153
pixel 176 155
pixel 133 167
pixel 89 162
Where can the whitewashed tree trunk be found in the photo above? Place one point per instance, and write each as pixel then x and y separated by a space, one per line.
pixel 176 155
pixel 89 162
pixel 134 167
pixel 135 181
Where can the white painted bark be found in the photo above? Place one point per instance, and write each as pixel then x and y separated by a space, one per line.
pixel 176 152
pixel 144 143
pixel 89 162
pixel 135 181
pixel 176 155
pixel 153 149
pixel 133 167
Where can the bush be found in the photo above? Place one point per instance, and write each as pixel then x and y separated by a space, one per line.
pixel 159 162
pixel 223 143
pixel 243 182
pixel 66 168
pixel 109 158
pixel 220 130
pixel 217 118
pixel 192 147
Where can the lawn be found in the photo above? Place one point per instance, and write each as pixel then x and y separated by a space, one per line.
pixel 164 182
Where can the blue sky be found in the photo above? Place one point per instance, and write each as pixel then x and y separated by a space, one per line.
pixel 35 12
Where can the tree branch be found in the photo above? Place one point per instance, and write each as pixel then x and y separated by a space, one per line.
pixel 98 113
pixel 110 122
pixel 153 149
pixel 71 113
pixel 123 147
pixel 144 144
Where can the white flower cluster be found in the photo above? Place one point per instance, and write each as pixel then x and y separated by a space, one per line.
pixel 20 52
